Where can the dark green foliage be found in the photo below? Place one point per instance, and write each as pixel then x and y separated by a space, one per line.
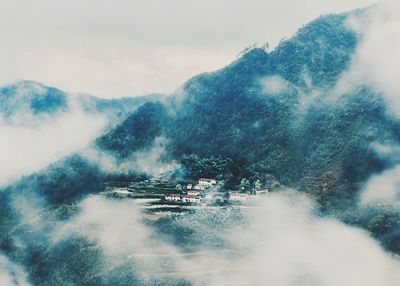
pixel 62 182
pixel 382 222
pixel 138 131
pixel 52 264
pixel 336 146
pixel 8 222
pixel 322 49
pixel 117 109
pixel 212 167
pixel 199 229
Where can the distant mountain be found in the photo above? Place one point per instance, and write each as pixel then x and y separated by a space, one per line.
pixel 32 97
pixel 36 99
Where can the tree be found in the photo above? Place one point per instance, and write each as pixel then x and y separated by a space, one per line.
pixel 178 187
pixel 244 185
pixel 257 185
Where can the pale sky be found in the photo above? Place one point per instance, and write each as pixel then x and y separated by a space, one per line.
pixel 130 47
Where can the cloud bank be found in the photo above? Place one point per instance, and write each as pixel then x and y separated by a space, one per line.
pixel 32 144
pixel 279 242
pixel 288 245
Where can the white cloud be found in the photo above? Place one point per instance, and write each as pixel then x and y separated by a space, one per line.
pixel 280 243
pixel 117 227
pixel 126 48
pixel 288 245
pixel 11 274
pixel 114 224
pixel 148 161
pixel 28 148
pixel 377 61
pixel 274 85
pixel 383 189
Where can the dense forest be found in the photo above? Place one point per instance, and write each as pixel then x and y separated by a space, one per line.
pixel 267 114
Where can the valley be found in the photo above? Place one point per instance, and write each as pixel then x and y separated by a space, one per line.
pixel 280 168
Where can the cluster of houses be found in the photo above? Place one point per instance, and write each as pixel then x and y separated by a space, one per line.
pixel 188 198
pixel 195 194
pixel 202 184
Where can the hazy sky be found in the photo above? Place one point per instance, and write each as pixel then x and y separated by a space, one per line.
pixel 130 47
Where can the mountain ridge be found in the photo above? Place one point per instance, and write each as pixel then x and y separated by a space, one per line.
pixel 266 114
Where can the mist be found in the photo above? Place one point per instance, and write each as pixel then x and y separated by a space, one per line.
pixel 152 161
pixel 289 245
pixel 376 62
pixel 29 144
pixel 11 274
pixel 121 234
pixel 383 189
pixel 278 240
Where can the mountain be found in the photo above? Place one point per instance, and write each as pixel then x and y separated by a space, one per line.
pixel 32 97
pixel 278 113
pixel 267 114
pixel 272 113
pixel 36 99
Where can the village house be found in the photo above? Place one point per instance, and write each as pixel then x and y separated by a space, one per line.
pixel 207 182
pixel 173 197
pixel 191 199
pixel 189 186
pixel 233 196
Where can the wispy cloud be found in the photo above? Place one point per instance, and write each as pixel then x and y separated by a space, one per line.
pixel 377 62
pixel 29 143
pixel 11 274
pixel 279 241
pixel 153 160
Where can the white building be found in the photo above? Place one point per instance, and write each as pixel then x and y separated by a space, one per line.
pixel 189 186
pixel 191 199
pixel 173 198
pixel 238 196
pixel 207 182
